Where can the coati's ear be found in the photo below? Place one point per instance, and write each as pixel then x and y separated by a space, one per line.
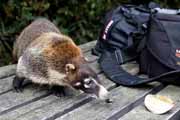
pixel 69 67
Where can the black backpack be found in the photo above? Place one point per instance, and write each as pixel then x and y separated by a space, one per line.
pixel 151 36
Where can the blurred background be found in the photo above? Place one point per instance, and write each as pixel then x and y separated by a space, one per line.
pixel 80 19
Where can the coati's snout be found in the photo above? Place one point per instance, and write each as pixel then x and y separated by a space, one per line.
pixel 86 80
pixel 91 86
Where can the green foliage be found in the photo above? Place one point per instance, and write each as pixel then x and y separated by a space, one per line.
pixel 80 19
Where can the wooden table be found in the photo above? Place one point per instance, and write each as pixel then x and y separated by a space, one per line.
pixel 35 103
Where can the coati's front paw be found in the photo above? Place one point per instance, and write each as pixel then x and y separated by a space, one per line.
pixel 17 84
pixel 18 90
pixel 58 91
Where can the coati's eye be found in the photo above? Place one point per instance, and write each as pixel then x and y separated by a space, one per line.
pixel 77 84
pixel 87 83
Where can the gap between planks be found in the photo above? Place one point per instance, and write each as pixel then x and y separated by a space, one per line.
pixel 94 110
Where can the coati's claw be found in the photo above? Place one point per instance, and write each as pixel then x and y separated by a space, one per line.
pixel 17 84
pixel 58 91
pixel 18 90
pixel 58 94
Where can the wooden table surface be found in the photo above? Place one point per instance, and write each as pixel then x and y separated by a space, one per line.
pixel 35 103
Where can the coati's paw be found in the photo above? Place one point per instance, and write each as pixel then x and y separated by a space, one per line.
pixel 58 91
pixel 17 84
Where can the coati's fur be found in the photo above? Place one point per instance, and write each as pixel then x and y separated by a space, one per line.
pixel 30 33
pixel 45 56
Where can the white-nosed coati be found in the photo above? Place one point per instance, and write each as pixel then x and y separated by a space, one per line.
pixel 45 56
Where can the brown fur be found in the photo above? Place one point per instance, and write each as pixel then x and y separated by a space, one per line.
pixel 60 52
pixel 30 33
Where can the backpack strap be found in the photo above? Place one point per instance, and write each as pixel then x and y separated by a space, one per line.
pixel 110 64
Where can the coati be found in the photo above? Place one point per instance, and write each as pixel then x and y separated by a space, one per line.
pixel 46 56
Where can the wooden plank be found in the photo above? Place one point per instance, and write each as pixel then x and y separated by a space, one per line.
pixel 88 46
pixel 131 67
pixel 175 115
pixel 12 100
pixel 90 57
pixel 7 71
pixel 141 112
pixel 50 105
pixel 95 66
pixel 6 84
pixel 100 111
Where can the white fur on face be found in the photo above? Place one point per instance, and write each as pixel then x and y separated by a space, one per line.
pixel 86 83
pixel 86 86
pixel 78 84
pixel 87 80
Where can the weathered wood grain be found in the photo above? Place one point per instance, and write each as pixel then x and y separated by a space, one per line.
pixel 5 84
pixel 7 71
pixel 88 46
pixel 90 58
pixel 131 67
pixel 99 111
pixel 12 99
pixel 175 115
pixel 141 113
pixel 50 105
